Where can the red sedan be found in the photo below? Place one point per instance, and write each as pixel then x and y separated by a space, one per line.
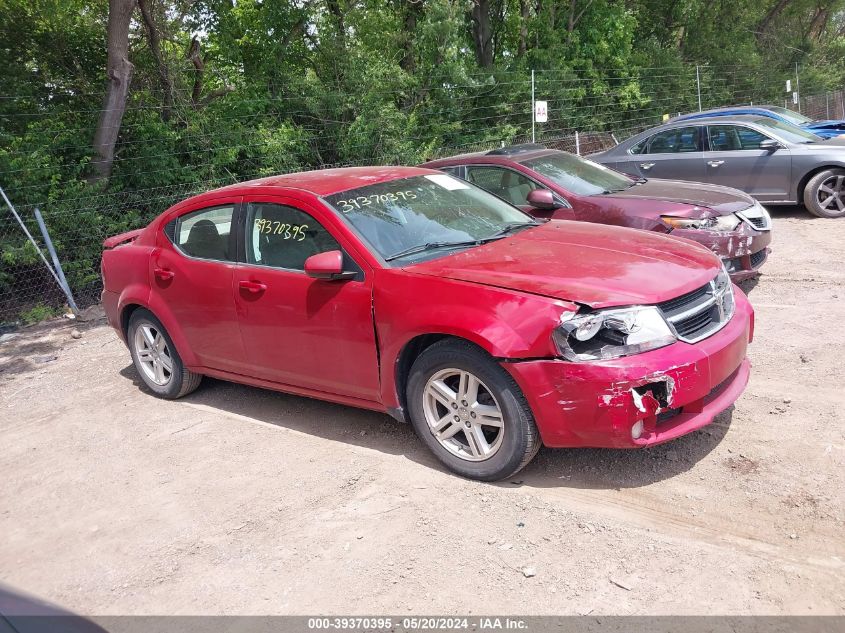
pixel 408 291
pixel 554 184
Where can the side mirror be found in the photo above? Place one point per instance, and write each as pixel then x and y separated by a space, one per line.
pixel 328 266
pixel 770 145
pixel 542 199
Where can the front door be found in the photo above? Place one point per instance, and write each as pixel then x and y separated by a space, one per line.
pixel 736 160
pixel 300 331
pixel 514 187
pixel 192 273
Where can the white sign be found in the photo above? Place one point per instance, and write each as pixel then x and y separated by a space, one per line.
pixel 795 97
pixel 447 182
pixel 541 111
pixel 789 85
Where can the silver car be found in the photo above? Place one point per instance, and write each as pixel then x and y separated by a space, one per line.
pixel 776 162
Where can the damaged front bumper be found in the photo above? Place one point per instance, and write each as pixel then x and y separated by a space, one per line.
pixel 743 250
pixel 643 399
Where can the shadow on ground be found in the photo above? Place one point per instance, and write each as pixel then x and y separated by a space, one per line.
pixel 564 468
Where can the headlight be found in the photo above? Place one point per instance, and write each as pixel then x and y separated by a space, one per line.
pixel 724 294
pixel 612 333
pixel 721 223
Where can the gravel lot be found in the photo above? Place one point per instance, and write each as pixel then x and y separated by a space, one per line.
pixel 239 500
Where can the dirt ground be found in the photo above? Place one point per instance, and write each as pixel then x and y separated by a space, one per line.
pixel 239 500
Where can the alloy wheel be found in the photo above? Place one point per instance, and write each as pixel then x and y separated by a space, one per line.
pixel 153 354
pixel 831 193
pixel 463 415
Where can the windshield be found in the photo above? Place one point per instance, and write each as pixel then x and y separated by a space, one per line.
pixel 787 131
pixel 581 177
pixel 793 116
pixel 435 210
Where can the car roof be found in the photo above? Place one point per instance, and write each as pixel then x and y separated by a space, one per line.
pixel 320 182
pixel 500 155
pixel 720 119
pixel 738 110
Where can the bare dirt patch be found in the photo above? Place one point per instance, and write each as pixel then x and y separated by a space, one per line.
pixel 239 500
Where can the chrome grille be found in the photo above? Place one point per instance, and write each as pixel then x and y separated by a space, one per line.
pixel 757 217
pixel 700 313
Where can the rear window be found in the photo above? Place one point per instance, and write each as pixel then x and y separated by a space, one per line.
pixel 203 234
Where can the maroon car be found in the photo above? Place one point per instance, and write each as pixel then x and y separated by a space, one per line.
pixel 554 184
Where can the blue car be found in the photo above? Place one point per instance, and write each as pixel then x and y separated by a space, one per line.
pixel 825 129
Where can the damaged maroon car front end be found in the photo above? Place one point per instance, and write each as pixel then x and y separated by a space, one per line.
pixel 730 223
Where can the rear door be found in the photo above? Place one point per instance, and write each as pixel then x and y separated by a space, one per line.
pixel 675 154
pixel 192 273
pixel 736 160
pixel 300 331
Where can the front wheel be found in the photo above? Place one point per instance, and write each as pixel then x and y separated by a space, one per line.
pixel 156 359
pixel 824 194
pixel 470 412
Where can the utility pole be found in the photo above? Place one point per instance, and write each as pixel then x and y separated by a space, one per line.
pixel 797 87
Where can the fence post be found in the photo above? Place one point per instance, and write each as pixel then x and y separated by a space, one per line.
pixel 698 86
pixel 29 236
pixel 577 144
pixel 61 274
pixel 797 88
pixel 533 107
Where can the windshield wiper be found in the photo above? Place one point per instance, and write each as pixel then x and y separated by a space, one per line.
pixel 429 246
pixel 508 228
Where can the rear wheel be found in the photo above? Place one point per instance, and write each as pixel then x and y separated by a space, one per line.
pixel 824 194
pixel 470 412
pixel 156 359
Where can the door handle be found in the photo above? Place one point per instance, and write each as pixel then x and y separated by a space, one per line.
pixel 646 166
pixel 164 274
pixel 252 286
pixel 715 163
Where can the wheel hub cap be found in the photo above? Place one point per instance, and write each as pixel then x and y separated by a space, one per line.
pixel 154 360
pixel 463 415
pixel 831 194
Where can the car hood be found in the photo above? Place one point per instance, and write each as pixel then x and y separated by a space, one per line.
pixel 835 124
pixel 722 200
pixel 833 141
pixel 593 264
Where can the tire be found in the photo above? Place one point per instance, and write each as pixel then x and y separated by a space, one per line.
pixel 824 195
pixel 145 332
pixel 512 439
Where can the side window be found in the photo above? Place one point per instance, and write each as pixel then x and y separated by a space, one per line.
pixel 726 138
pixel 639 148
pixel 283 237
pixel 505 183
pixel 675 141
pixel 452 171
pixel 204 234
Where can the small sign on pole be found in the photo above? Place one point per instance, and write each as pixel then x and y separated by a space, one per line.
pixel 795 97
pixel 789 85
pixel 541 111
